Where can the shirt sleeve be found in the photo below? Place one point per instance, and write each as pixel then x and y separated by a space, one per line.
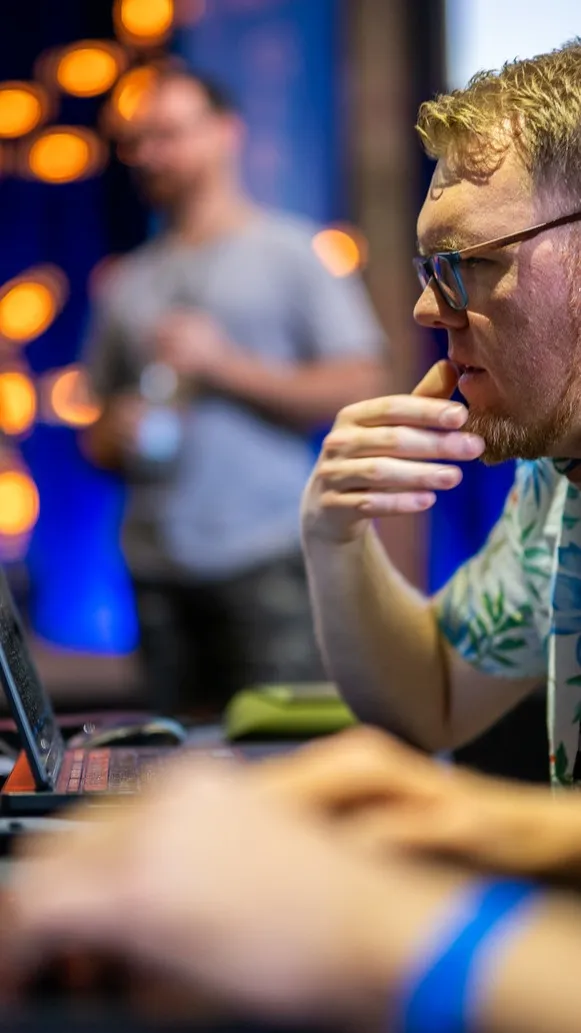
pixel 337 317
pixel 494 610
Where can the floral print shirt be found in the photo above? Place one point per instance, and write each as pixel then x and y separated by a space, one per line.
pixel 514 609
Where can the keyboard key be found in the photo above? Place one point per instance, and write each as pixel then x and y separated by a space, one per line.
pixel 96 776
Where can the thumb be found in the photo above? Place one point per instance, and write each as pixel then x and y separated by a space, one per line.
pixel 439 382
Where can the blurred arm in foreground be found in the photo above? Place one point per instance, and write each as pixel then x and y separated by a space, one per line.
pixel 261 903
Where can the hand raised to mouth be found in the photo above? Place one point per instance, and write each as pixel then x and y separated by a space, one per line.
pixel 378 459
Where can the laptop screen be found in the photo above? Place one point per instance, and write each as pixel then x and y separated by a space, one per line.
pixel 29 703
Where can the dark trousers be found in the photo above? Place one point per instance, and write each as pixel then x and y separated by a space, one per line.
pixel 200 641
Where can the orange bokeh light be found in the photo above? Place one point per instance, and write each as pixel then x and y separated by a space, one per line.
pixel 30 302
pixel 22 108
pixel 19 503
pixel 144 21
pixel 26 311
pixel 65 153
pixel 89 68
pixel 340 250
pixel 70 398
pixel 130 91
pixel 17 402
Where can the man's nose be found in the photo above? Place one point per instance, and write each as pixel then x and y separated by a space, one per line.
pixel 432 310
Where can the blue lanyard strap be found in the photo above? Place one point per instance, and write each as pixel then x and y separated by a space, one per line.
pixel 438 997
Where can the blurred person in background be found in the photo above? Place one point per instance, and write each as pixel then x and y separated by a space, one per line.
pixel 217 348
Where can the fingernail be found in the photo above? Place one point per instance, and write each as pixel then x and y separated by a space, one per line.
pixel 472 445
pixel 447 475
pixel 454 415
pixel 424 501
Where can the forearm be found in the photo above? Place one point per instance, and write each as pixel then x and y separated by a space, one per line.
pixel 527 981
pixel 379 638
pixel 535 985
pixel 307 394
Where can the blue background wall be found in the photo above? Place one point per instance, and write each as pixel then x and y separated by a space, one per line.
pixel 79 590
pixel 283 61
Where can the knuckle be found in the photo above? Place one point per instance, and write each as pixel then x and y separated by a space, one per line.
pixel 427 477
pixel 364 736
pixel 333 442
pixel 326 471
pixel 375 471
pixel 392 439
pixel 328 500
pixel 345 415
pixel 366 743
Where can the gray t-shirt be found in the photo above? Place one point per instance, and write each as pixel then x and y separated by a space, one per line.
pixel 232 500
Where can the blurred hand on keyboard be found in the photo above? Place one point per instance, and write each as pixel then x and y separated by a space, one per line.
pixel 211 881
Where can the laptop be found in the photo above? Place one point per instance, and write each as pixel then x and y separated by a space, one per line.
pixel 47 775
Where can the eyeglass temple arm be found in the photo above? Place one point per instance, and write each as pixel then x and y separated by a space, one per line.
pixel 515 238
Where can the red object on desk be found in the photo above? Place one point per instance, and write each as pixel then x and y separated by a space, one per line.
pixel 20 779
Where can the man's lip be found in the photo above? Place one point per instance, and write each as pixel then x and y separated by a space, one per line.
pixel 467 367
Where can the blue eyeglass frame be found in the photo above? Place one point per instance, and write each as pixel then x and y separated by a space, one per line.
pixel 429 267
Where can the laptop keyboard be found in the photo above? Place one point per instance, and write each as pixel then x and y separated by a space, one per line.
pixel 95 777
pixel 112 771
pixel 120 770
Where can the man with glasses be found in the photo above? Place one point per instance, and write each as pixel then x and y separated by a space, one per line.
pixel 499 245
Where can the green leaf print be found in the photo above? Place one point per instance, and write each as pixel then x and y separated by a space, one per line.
pixel 577 718
pixel 500 659
pixel 533 557
pixel 532 571
pixel 535 592
pixel 536 475
pixel 491 552
pixel 510 623
pixel 481 629
pixel 511 643
pixel 490 630
pixel 535 550
pixel 473 639
pixel 527 531
pixel 561 765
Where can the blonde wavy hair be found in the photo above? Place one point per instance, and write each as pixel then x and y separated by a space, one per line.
pixel 535 103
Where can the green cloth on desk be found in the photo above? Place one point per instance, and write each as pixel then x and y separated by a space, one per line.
pixel 286 711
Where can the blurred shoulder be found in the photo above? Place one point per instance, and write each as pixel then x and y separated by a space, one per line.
pixel 537 497
pixel 119 277
pixel 288 233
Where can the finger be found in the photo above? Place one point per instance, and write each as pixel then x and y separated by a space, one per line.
pixel 410 410
pixel 439 382
pixel 439 829
pixel 403 443
pixel 357 765
pixel 372 505
pixel 366 830
pixel 387 474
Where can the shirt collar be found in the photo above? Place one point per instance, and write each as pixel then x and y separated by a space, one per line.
pixel 569 468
